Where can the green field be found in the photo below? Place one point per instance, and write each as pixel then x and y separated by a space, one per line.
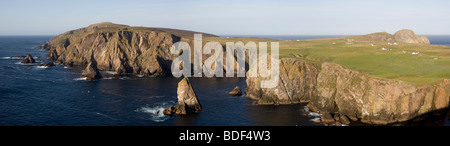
pixel 396 62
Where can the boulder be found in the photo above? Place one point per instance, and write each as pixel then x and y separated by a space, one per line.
pixel 28 59
pixel 344 119
pixel 408 36
pixel 187 100
pixel 236 91
pixel 326 118
pixel 47 64
pixel 91 72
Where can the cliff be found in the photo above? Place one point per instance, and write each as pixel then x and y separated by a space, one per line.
pixel 121 48
pixel 332 89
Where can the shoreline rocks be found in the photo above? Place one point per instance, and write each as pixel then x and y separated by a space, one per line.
pixel 28 59
pixel 236 91
pixel 47 64
pixel 187 100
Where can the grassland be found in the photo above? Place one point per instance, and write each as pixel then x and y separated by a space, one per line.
pixel 397 62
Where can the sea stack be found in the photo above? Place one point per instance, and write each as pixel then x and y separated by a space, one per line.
pixel 236 91
pixel 28 59
pixel 91 72
pixel 187 100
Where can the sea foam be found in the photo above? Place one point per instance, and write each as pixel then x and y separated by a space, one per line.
pixel 155 111
pixel 80 79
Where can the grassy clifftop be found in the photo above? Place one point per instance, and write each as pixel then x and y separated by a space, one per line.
pixel 377 54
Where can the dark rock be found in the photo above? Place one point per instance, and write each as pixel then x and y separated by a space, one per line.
pixel 336 117
pixel 91 72
pixel 28 59
pixel 187 100
pixel 47 64
pixel 168 111
pixel 236 91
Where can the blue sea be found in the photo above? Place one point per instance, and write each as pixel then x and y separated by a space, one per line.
pixel 56 96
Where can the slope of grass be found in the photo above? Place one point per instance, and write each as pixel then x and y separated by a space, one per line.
pixel 397 62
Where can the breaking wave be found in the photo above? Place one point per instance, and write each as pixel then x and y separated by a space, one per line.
pixel 155 111
pixel 80 79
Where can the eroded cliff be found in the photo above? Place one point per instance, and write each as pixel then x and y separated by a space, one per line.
pixel 120 48
pixel 332 89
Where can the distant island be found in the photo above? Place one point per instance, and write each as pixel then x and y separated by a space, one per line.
pixel 377 78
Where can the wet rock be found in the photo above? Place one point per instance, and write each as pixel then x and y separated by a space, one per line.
pixel 28 59
pixel 236 91
pixel 47 64
pixel 187 100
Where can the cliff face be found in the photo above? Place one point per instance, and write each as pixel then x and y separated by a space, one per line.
pixel 121 48
pixel 297 84
pixel 334 89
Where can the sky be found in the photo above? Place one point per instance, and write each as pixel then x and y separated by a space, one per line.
pixel 231 17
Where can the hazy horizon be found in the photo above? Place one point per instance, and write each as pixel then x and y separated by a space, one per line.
pixel 325 17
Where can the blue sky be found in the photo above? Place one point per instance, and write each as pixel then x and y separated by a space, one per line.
pixel 231 17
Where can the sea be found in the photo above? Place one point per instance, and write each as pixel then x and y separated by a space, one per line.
pixel 34 96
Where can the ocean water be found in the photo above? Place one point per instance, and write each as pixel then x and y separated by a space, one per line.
pixel 56 96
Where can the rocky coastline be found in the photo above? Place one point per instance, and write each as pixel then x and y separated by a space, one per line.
pixel 332 89
pixel 338 93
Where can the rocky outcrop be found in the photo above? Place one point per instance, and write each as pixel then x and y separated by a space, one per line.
pixel 408 36
pixel 91 72
pixel 333 89
pixel 187 100
pixel 47 64
pixel 401 36
pixel 28 59
pixel 236 91
pixel 124 49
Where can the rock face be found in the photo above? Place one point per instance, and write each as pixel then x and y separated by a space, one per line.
pixel 333 89
pixel 91 72
pixel 297 84
pixel 124 49
pixel 408 36
pixel 187 100
pixel 236 91
pixel 28 59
